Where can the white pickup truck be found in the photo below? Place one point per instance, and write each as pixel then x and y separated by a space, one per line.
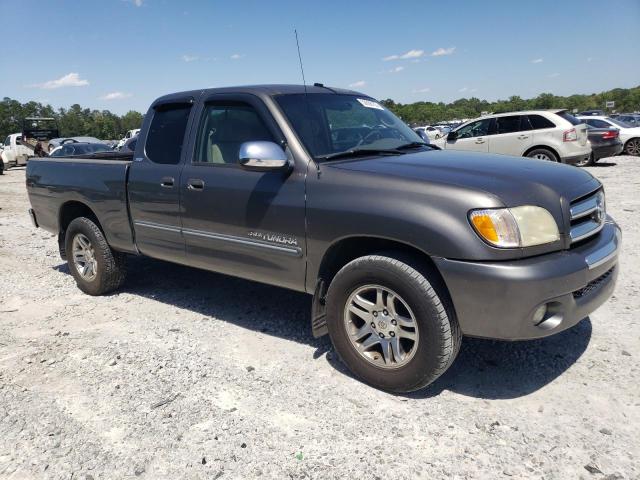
pixel 129 134
pixel 14 152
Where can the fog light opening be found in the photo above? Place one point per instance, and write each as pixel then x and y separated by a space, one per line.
pixel 539 314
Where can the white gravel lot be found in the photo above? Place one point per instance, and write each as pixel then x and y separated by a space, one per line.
pixel 250 393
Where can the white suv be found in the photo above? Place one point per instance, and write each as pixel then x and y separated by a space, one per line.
pixel 552 135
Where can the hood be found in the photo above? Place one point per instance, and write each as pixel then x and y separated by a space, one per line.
pixel 502 175
pixel 514 180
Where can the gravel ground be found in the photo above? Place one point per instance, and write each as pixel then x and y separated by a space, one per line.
pixel 189 374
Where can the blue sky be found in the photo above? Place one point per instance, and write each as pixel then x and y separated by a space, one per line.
pixel 121 54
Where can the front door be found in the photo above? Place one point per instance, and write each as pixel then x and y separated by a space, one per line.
pixel 244 223
pixel 154 182
pixel 472 137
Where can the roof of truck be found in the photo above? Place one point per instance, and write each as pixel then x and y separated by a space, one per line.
pixel 270 90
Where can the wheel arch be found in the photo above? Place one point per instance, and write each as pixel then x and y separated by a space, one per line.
pixel 67 213
pixel 344 250
pixel 544 147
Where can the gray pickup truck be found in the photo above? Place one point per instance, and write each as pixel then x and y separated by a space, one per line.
pixel 405 248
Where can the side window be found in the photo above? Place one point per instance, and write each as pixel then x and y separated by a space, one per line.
pixel 166 133
pixel 67 150
pixel 594 122
pixel 475 129
pixel 538 122
pixel 510 124
pixel 7 142
pixel 223 128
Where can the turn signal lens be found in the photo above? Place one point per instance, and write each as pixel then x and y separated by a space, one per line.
pixel 498 227
pixel 485 227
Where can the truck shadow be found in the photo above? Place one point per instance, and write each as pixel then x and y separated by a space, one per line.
pixel 484 368
pixel 491 369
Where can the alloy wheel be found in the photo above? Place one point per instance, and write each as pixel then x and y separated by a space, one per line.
pixel 84 257
pixel 633 147
pixel 381 326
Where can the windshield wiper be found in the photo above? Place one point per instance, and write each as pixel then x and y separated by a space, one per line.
pixel 360 152
pixel 407 146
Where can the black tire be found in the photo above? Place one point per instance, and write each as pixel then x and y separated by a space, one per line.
pixel 543 152
pixel 111 265
pixel 439 334
pixel 632 147
pixel 586 163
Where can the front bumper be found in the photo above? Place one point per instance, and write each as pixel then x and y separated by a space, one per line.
pixel 498 299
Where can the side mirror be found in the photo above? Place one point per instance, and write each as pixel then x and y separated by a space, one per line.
pixel 262 157
pixel 452 136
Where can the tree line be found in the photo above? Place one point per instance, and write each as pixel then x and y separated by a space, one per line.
pixel 626 100
pixel 73 121
pixel 103 124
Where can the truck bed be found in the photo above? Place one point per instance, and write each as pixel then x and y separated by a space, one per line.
pixel 99 181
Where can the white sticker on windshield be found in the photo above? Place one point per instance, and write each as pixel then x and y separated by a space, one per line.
pixel 370 104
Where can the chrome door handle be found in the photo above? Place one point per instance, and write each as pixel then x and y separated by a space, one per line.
pixel 195 184
pixel 167 182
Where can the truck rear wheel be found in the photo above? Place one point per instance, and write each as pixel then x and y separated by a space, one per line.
pixel 95 267
pixel 389 325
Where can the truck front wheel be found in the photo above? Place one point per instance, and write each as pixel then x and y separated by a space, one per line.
pixel 95 267
pixel 388 323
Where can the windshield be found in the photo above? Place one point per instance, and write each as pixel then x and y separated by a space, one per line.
pixel 328 123
pixel 619 123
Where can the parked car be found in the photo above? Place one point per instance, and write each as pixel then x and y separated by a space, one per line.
pixel 404 248
pixel 605 142
pixel 432 133
pixel 127 136
pixel 592 112
pixel 79 148
pixel 15 153
pixel 631 119
pixel 552 135
pixel 444 129
pixel 130 145
pixel 56 142
pixel 629 136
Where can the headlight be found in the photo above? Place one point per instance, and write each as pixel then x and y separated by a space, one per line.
pixel 515 227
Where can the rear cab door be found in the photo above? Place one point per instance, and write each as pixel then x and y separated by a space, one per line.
pixel 154 179
pixel 511 135
pixel 472 137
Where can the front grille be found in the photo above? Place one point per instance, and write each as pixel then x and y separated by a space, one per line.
pixel 587 216
pixel 593 285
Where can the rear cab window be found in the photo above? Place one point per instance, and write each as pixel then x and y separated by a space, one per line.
pixel 167 133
